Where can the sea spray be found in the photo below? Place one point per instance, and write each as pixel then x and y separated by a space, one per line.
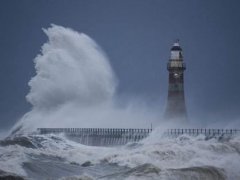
pixel 75 86
pixel 70 68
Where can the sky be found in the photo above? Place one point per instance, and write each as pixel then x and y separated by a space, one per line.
pixel 137 36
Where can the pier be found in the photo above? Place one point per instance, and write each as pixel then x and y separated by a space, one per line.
pixel 100 136
pixel 117 136
pixel 206 132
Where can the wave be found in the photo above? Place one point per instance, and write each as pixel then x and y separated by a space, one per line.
pixel 75 85
pixel 48 156
pixel 149 171
pixel 10 176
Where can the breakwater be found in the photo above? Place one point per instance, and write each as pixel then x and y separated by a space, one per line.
pixel 100 136
pixel 206 132
pixel 117 136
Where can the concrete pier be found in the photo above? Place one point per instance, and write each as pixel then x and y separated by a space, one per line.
pixel 116 136
pixel 100 136
pixel 206 132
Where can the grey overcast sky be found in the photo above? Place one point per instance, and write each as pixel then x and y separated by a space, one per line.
pixel 137 36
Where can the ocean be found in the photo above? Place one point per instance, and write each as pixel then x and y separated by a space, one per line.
pixel 54 156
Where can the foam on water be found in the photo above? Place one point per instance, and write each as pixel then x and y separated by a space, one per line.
pixel 160 157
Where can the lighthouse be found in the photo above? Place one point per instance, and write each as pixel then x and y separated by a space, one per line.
pixel 175 108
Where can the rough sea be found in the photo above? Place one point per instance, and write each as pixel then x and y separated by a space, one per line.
pixel 75 86
pixel 156 157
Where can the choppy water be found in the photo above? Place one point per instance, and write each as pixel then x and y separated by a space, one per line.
pixel 56 157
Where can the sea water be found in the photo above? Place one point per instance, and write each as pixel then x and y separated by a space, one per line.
pixel 156 157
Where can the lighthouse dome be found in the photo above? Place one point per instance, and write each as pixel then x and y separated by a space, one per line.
pixel 176 51
pixel 176 47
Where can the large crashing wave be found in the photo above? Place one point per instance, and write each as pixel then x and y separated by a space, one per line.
pixel 72 73
pixel 74 86
pixel 71 67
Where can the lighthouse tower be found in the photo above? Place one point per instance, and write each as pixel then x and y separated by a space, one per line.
pixel 176 109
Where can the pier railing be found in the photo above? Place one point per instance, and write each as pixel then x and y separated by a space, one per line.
pixel 100 136
pixel 206 132
pixel 118 136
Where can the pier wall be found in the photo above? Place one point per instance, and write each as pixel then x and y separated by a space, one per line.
pixel 115 136
pixel 206 132
pixel 100 136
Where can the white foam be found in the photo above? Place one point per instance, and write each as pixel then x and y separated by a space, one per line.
pixel 74 86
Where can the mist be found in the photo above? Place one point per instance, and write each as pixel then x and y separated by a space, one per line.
pixel 75 86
